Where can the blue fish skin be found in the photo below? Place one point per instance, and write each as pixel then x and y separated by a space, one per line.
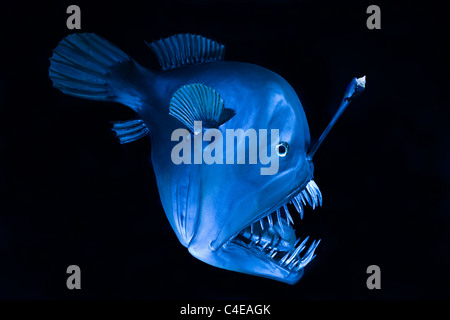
pixel 208 206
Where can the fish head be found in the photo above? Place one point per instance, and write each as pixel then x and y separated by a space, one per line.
pixel 235 215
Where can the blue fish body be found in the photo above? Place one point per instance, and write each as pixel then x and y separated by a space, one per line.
pixel 208 204
pixel 228 215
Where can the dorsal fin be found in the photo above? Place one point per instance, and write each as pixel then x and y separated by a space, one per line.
pixel 197 102
pixel 184 49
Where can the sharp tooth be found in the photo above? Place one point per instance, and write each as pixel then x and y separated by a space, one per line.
pixel 316 195
pixel 269 219
pixel 297 250
pixel 298 206
pixel 272 253
pixel 305 261
pixel 306 196
pixel 309 255
pixel 296 242
pixel 251 228
pixel 261 223
pixel 293 264
pixel 280 223
pixel 314 185
pixel 312 247
pixel 303 264
pixel 288 216
pixel 309 187
pixel 312 194
pixel 281 262
pixel 301 197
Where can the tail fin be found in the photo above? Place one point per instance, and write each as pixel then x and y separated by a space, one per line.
pixel 87 66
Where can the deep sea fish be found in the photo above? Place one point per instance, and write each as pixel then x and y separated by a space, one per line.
pixel 232 216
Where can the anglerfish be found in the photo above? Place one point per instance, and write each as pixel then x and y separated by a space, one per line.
pixel 229 199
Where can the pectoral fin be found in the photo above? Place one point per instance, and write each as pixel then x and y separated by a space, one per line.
pixel 130 130
pixel 197 102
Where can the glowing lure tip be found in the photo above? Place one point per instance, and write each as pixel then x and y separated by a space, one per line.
pixel 361 82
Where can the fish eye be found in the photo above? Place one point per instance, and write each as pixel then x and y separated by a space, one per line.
pixel 282 149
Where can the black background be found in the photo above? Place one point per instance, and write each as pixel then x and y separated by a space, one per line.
pixel 70 194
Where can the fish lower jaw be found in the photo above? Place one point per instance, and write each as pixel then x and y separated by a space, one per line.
pixel 273 236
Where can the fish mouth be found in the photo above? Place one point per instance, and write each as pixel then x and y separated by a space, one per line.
pixel 272 238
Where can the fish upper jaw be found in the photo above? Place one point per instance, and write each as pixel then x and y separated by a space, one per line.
pixel 305 175
pixel 223 235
